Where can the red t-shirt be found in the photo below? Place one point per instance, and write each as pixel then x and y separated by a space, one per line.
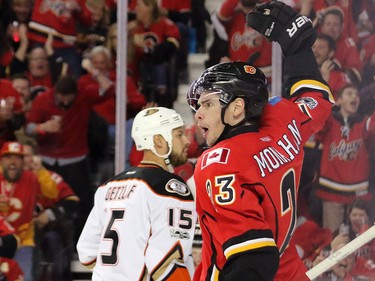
pixel 244 42
pixel 52 15
pixel 72 140
pixel 107 109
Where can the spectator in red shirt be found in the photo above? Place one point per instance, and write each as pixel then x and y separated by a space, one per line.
pixel 344 166
pixel 351 267
pixel 324 50
pixel 40 64
pixel 347 53
pixel 103 145
pixel 155 39
pixel 58 208
pixel 315 10
pixel 12 115
pixel 238 42
pixel 179 12
pixel 59 119
pixel 60 19
pixel 19 194
pixel 310 239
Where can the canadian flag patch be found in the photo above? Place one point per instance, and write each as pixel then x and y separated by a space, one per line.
pixel 219 155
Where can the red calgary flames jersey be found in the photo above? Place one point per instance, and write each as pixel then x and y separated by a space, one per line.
pixel 22 196
pixel 247 185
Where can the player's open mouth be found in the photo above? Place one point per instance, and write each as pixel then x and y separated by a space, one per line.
pixel 204 131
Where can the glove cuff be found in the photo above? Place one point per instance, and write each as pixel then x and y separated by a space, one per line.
pixel 298 66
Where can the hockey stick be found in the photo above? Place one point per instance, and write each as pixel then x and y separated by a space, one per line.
pixel 340 254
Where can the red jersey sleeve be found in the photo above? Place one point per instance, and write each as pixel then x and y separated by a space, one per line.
pixel 8 93
pixel 227 9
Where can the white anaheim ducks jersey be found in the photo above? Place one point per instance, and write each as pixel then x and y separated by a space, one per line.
pixel 140 228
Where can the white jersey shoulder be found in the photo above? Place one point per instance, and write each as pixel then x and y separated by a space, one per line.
pixel 136 229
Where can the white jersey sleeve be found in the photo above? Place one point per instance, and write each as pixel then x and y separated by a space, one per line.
pixel 139 229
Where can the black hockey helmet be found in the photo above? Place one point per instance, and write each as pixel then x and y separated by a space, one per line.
pixel 232 80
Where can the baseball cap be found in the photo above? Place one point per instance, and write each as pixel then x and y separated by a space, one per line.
pixel 12 148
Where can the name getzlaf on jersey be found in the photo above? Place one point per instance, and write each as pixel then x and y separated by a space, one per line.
pixel 141 226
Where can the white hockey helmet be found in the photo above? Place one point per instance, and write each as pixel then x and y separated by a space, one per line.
pixel 155 121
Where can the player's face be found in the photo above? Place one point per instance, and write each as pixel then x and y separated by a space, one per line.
pixel 209 117
pixel 180 145
pixel 12 165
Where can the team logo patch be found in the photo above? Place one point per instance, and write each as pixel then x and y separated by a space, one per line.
pixel 250 69
pixel 151 111
pixel 175 186
pixel 219 155
pixel 306 104
pixel 308 101
pixel 179 234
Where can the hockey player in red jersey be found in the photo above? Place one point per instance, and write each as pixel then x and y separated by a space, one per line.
pixel 247 182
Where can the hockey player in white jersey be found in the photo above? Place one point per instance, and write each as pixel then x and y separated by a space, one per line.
pixel 142 224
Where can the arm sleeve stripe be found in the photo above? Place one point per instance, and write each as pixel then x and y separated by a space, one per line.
pixel 174 41
pixel 249 245
pixel 314 85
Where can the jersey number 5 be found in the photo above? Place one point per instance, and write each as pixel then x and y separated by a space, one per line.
pixel 111 234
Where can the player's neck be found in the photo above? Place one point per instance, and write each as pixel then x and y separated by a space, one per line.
pixel 151 158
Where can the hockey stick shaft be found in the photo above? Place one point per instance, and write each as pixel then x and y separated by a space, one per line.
pixel 340 254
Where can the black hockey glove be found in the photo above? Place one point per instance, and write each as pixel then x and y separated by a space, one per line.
pixel 279 22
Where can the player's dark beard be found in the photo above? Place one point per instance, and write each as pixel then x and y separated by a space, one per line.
pixel 12 179
pixel 177 159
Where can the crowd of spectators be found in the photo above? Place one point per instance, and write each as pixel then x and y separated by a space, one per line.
pixel 57 99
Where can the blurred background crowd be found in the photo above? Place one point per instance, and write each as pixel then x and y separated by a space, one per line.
pixel 58 116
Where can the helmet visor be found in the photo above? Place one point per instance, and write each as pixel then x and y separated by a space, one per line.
pixel 196 91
